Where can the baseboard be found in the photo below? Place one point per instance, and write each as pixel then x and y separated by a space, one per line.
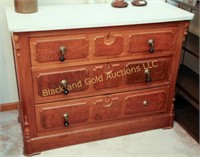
pixel 9 106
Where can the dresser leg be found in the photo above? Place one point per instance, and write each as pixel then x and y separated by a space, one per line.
pixel 171 124
pixel 168 127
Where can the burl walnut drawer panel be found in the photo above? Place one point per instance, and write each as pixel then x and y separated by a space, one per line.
pixel 58 48
pixel 81 81
pixel 81 112
pixel 142 103
pixel 152 71
pixel 108 44
pixel 152 40
pixel 61 114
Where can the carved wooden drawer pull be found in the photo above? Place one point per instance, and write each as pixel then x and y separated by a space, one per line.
pixel 63 50
pixel 151 44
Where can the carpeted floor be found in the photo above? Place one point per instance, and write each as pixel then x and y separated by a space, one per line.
pixel 174 142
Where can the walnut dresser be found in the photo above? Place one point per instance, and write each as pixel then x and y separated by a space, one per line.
pixel 89 72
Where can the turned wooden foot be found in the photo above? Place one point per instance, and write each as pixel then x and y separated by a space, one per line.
pixel 167 127
pixel 29 155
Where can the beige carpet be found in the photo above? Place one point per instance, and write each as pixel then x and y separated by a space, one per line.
pixel 156 143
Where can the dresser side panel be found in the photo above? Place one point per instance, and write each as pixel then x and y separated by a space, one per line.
pixel 25 87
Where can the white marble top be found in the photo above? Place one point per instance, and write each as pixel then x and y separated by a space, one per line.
pixel 93 15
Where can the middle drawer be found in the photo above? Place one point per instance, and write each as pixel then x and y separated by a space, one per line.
pixel 90 80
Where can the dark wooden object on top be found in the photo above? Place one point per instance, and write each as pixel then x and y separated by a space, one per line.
pixel 119 4
pixel 139 2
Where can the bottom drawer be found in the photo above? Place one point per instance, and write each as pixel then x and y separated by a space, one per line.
pixel 71 114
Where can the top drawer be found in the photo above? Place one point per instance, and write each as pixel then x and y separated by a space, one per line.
pixel 77 47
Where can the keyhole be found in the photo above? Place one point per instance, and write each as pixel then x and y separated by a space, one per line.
pixel 108 36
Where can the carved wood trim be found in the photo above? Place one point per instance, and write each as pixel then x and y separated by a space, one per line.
pixel 26 129
pixel 186 30
pixel 17 45
pixel 171 120
pixel 27 138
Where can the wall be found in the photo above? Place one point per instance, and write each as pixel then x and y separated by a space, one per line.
pixel 8 89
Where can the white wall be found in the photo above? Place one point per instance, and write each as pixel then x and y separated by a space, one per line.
pixel 8 89
pixel 8 86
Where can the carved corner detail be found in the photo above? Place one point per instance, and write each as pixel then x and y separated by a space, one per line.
pixel 17 46
pixel 186 30
pixel 172 113
pixel 26 129
pixel 171 120
pixel 172 107
pixel 27 138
